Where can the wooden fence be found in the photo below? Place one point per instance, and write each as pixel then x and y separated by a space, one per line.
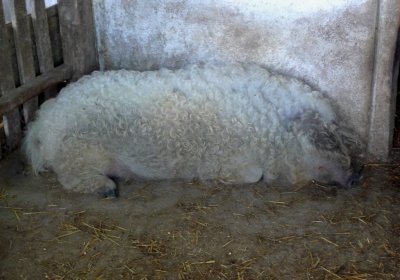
pixel 39 51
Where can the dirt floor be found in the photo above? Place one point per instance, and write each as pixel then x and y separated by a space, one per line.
pixel 178 230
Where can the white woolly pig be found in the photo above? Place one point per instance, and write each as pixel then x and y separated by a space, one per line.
pixel 237 123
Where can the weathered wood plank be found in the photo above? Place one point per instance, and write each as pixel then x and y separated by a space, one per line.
pixel 31 89
pixel 55 38
pixel 23 45
pixel 6 77
pixel 78 36
pixel 42 41
pixel 14 63
pixel 11 119
pixel 42 38
pixel 88 35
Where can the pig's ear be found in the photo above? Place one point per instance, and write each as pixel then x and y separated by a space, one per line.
pixel 318 132
pixel 351 141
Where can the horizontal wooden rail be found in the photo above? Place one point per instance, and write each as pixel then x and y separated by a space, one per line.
pixel 34 87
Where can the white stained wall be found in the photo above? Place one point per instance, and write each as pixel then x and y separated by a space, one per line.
pixel 327 43
pixel 333 45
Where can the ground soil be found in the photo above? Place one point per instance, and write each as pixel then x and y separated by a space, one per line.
pixel 188 230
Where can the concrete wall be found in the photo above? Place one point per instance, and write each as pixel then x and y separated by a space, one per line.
pixel 332 45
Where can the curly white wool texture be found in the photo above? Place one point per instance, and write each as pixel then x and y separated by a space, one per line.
pixel 230 122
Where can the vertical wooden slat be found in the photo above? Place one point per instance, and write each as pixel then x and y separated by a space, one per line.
pixel 42 39
pixel 23 46
pixel 55 36
pixel 11 120
pixel 88 35
pixel 78 36
pixel 7 80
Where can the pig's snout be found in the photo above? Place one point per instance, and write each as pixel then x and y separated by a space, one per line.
pixel 354 179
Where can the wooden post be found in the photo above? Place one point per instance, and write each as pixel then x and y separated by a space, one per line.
pixel 23 46
pixel 42 40
pixel 11 119
pixel 78 36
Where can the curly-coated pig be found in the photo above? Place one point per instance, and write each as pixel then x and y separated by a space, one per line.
pixel 236 123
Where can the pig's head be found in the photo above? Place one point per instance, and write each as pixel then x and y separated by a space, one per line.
pixel 34 148
pixel 40 137
pixel 330 154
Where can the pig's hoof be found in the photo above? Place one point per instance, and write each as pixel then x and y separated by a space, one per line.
pixel 109 188
pixel 112 193
pixel 251 174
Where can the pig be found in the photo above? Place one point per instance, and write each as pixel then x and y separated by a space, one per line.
pixel 236 123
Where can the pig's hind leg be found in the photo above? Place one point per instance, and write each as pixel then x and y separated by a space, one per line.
pixel 243 169
pixel 83 167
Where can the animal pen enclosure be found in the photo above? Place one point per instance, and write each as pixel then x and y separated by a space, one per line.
pixel 174 229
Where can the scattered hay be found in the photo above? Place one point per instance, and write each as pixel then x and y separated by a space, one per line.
pixel 152 247
pixel 225 233
pixel 15 210
pixel 97 230
pixel 3 194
